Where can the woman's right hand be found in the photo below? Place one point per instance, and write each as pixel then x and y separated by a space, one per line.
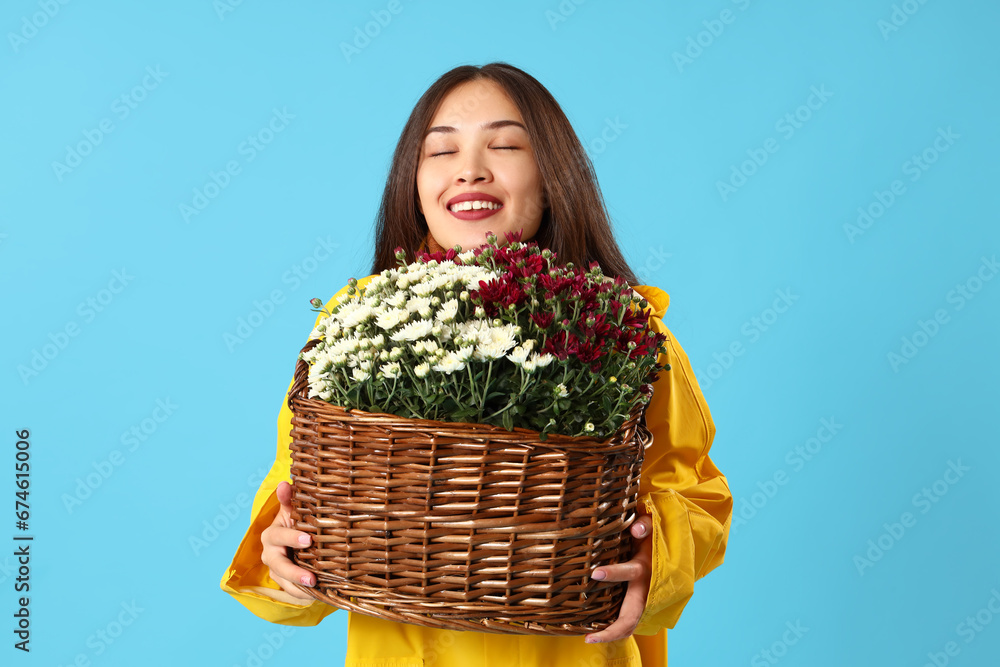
pixel 276 538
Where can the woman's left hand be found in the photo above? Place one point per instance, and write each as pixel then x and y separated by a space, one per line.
pixel 637 572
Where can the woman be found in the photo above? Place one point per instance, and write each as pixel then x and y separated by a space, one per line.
pixel 495 137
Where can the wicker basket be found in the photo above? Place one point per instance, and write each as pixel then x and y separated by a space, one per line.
pixel 461 526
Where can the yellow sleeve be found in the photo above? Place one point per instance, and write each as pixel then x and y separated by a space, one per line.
pixel 247 579
pixel 687 497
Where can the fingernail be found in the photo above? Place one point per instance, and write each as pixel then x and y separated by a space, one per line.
pixel 599 574
pixel 303 540
pixel 305 580
pixel 590 640
pixel 641 530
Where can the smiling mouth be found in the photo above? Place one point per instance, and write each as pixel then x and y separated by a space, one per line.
pixel 474 210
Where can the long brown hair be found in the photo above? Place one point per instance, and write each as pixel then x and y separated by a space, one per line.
pixel 575 223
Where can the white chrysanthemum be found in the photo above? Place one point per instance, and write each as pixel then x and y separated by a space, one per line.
pixel 360 374
pixel 417 304
pixel 423 288
pixel 391 370
pixel 588 427
pixel 309 355
pixel 450 363
pixel 495 342
pixel 542 360
pixel 448 311
pixel 519 355
pixel 397 300
pixel 492 350
pixel 416 272
pixel 473 329
pixel 333 328
pixel 465 353
pixel 392 318
pixel 354 313
pixel 467 256
pixel 562 392
pixel 444 281
pixel 413 330
pixel 421 370
pixel 378 342
pixel 377 283
pixel 344 346
pixel 529 365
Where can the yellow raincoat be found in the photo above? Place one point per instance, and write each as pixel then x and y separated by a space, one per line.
pixel 687 497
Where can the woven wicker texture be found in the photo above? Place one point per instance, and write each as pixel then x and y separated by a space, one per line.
pixel 462 526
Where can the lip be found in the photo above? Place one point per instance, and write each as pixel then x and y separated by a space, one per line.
pixel 473 214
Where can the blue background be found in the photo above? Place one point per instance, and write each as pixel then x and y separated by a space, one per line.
pixel 694 93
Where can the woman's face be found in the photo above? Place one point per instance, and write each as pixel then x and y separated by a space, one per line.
pixel 477 151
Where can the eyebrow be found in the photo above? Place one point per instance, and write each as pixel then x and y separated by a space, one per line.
pixel 492 125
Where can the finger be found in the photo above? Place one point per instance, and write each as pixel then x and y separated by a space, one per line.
pixel 627 571
pixel 277 560
pixel 290 588
pixel 284 493
pixel 628 617
pixel 281 536
pixel 643 527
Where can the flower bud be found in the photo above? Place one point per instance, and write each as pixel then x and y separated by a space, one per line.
pixel 316 303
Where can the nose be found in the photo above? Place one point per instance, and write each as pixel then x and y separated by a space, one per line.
pixel 473 168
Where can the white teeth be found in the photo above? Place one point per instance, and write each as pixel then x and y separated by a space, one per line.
pixel 474 205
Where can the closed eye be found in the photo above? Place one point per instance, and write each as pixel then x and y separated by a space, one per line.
pixel 505 148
